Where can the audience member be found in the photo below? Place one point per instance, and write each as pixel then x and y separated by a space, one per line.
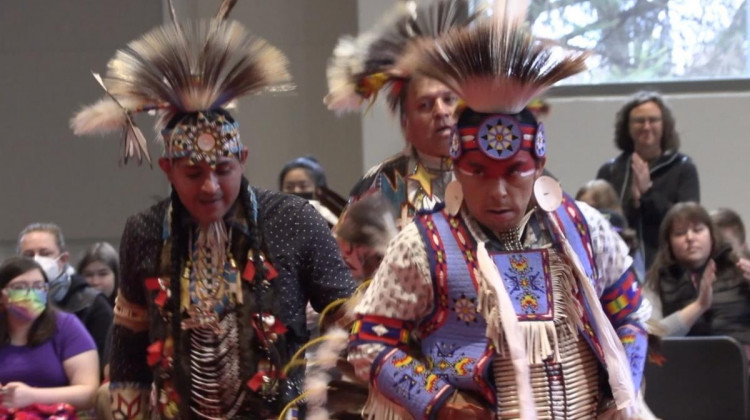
pixel 731 230
pixel 600 195
pixel 305 177
pixel 650 175
pixel 694 285
pixel 44 242
pixel 46 356
pixel 100 266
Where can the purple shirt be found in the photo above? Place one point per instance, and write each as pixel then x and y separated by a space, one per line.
pixel 42 366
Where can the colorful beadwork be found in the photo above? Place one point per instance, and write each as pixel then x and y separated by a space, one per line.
pixel 527 279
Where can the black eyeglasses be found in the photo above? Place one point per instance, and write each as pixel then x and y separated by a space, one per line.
pixel 642 120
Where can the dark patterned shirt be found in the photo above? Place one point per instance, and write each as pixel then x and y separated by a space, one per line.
pixel 296 240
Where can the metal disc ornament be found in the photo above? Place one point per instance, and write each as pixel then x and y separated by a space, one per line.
pixel 548 193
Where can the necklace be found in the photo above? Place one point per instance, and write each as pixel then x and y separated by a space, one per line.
pixel 210 279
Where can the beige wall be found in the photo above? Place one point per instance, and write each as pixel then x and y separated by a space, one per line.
pixel 48 50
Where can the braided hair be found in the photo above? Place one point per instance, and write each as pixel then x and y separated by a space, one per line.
pixel 259 298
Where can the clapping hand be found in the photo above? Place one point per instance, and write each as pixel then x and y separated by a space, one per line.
pixel 16 395
pixel 641 179
pixel 744 265
pixel 706 288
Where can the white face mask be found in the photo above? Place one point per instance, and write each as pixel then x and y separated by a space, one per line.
pixel 50 266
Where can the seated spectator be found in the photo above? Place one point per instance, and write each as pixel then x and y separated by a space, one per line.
pixel 695 286
pixel 305 178
pixel 100 266
pixel 600 195
pixel 46 356
pixel 44 243
pixel 731 230
pixel 650 175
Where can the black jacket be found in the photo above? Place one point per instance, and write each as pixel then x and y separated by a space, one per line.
pixel 675 180
pixel 730 307
pixel 93 309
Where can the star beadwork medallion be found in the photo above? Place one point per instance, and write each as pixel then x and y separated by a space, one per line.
pixel 424 178
pixel 499 137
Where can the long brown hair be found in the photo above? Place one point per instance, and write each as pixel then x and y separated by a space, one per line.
pixel 670 140
pixel 688 211
pixel 45 326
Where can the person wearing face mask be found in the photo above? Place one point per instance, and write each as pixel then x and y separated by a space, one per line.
pixel 44 242
pixel 696 283
pixel 650 175
pixel 46 357
pixel 304 177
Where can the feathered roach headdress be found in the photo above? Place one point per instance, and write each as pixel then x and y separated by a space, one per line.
pixel 360 67
pixel 497 67
pixel 188 75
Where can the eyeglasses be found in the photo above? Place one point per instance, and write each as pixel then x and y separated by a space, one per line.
pixel 642 120
pixel 25 287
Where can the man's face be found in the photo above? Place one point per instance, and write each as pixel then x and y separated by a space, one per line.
pixel 206 193
pixel 646 129
pixel 497 193
pixel 429 116
pixel 42 243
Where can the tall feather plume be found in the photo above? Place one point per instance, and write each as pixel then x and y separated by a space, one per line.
pixel 111 114
pixel 360 67
pixel 178 68
pixel 496 65
pixel 224 9
pixel 212 64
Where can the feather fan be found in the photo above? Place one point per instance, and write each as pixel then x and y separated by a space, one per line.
pixel 360 67
pixel 496 65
